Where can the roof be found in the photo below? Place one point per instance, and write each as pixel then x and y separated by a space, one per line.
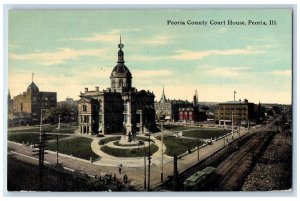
pixel 234 102
pixel 120 70
pixel 32 87
pixel 198 176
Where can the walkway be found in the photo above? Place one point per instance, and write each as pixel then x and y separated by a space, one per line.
pixel 108 160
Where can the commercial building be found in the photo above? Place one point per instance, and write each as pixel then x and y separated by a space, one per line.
pixel 26 108
pixel 239 111
pixel 119 108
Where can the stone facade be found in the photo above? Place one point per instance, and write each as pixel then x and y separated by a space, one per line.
pixel 120 108
pixel 27 106
pixel 168 109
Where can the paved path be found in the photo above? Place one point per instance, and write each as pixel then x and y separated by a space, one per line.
pixel 108 160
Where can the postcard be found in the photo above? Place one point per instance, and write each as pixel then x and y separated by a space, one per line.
pixel 150 100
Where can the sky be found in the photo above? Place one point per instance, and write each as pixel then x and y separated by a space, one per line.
pixel 70 50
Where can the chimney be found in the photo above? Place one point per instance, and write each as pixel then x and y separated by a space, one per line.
pixel 97 88
pixel 86 89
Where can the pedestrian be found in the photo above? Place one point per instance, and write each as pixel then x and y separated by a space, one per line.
pixel 114 176
pixel 125 178
pixel 120 170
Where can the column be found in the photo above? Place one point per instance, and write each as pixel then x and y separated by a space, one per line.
pixel 90 125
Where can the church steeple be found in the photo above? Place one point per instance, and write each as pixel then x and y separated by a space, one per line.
pixel 163 96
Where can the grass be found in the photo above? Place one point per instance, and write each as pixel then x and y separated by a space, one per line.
pixel 79 147
pixel 31 135
pixel 205 133
pixel 135 152
pixel 179 146
pixel 117 143
pixel 109 139
pixel 47 128
pixel 30 138
pixel 177 128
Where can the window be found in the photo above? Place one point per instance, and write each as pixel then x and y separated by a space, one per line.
pixel 100 105
pixel 100 119
pixel 84 108
pixel 86 119
pixel 120 83
pixel 21 107
pixel 125 107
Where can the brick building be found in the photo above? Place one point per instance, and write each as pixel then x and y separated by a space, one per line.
pixel 239 111
pixel 26 107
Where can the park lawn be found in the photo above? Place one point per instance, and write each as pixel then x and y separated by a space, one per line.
pixel 30 138
pixel 109 139
pixel 78 146
pixel 178 146
pixel 47 128
pixel 205 133
pixel 178 128
pixel 134 152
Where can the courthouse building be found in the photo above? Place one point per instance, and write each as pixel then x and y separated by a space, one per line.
pixel 119 108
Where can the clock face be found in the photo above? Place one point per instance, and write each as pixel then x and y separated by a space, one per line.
pixel 121 46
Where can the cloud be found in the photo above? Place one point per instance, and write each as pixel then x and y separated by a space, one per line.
pixel 158 40
pixel 194 55
pixel 138 74
pixel 58 57
pixel 229 72
pixel 100 37
pixel 282 72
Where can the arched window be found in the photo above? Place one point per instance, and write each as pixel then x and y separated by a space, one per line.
pixel 113 83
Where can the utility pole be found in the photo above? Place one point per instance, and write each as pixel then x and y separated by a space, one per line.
pixel 162 152
pixel 198 148
pixel 58 127
pixel 175 174
pixel 40 148
pixel 145 166
pixel 149 161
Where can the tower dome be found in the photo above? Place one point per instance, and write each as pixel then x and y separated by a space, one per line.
pixel 120 76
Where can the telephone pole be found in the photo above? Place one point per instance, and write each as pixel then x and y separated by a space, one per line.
pixel 162 152
pixel 149 162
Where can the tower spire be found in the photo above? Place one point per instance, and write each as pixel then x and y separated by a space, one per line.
pixel 163 96
pixel 121 53
pixel 32 76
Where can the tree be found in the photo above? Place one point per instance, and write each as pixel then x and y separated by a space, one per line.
pixel 66 112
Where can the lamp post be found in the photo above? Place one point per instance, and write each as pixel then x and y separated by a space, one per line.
pixel 149 161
